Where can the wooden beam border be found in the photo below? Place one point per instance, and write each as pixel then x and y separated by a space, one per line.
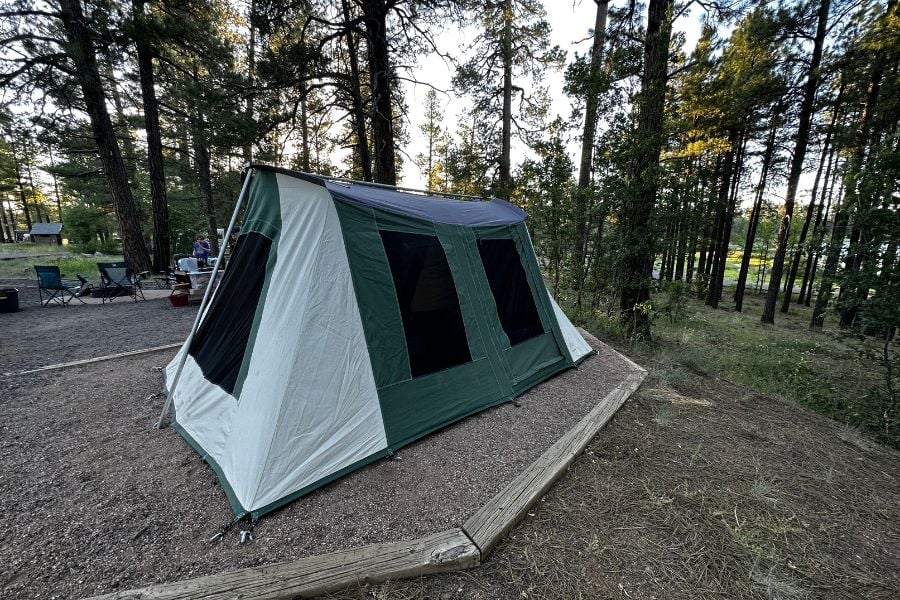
pixel 87 361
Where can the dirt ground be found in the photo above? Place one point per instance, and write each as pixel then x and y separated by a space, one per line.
pixel 94 499
pixel 700 489
pixel 36 336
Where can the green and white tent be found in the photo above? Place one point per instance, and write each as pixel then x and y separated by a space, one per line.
pixel 353 319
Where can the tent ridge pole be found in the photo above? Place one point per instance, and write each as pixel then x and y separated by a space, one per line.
pixel 206 294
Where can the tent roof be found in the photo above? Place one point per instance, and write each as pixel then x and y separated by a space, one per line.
pixel 46 229
pixel 475 211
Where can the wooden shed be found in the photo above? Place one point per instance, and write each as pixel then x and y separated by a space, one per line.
pixel 46 233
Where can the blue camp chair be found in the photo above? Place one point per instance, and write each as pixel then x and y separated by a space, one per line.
pixel 57 289
pixel 117 280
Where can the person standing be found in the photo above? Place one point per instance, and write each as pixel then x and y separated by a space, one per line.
pixel 201 250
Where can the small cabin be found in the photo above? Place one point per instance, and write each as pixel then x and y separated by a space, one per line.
pixel 46 233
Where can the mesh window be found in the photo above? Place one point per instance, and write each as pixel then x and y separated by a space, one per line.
pixel 429 306
pixel 509 285
pixel 221 340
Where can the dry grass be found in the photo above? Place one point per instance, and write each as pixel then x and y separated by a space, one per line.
pixel 728 495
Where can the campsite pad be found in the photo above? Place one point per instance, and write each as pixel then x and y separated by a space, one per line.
pixel 35 336
pixel 96 500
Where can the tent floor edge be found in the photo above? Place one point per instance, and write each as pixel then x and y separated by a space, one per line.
pixel 239 510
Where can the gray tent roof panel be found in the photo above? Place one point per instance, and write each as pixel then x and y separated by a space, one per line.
pixel 46 229
pixel 474 212
pixel 440 210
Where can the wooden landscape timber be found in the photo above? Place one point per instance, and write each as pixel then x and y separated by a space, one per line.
pixel 490 525
pixel 87 361
pixel 445 551
pixel 451 550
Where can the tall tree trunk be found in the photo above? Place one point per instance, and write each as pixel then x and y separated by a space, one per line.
pixel 55 184
pixel 247 148
pixel 11 220
pixel 818 231
pixel 799 248
pixel 304 128
pixel 204 178
pixel 5 229
pixel 506 136
pixel 375 20
pixel 80 47
pixel 356 99
pixel 20 185
pixel 637 265
pixel 806 111
pixel 582 197
pixel 714 291
pixel 798 253
pixel 851 193
pixel 755 213
pixel 129 156
pixel 158 200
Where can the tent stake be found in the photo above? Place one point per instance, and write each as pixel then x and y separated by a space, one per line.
pixel 212 280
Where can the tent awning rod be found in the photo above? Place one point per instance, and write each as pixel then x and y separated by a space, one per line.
pixel 205 301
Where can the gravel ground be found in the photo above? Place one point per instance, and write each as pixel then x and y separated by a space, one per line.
pixel 94 499
pixel 36 336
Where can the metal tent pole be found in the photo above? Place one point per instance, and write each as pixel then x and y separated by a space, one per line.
pixel 204 302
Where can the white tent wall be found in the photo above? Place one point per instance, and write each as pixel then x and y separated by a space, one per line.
pixel 309 391
pixel 204 411
pixel 308 406
pixel 575 344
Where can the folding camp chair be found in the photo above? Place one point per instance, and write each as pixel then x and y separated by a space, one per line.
pixel 118 280
pixel 59 290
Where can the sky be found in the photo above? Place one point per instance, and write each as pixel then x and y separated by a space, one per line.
pixel 571 22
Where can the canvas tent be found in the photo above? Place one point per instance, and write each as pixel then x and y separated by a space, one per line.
pixel 353 319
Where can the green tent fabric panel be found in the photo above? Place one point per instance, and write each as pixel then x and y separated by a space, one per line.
pixel 539 356
pixel 533 355
pixel 413 409
pixel 533 271
pixel 263 214
pixel 476 299
pixel 375 294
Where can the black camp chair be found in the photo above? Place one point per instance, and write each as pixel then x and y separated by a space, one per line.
pixel 58 290
pixel 117 280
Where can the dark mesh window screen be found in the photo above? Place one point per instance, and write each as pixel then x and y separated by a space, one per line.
pixel 509 285
pixel 221 340
pixel 429 306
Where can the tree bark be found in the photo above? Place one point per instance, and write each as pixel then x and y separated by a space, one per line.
pixel 635 216
pixel 356 99
pixel 158 200
pixel 505 188
pixel 26 209
pixel 798 253
pixel 204 177
pixel 755 213
pixel 375 20
pixel 805 119
pixel 720 244
pixel 81 49
pixel 592 101
pixel 818 231
pixel 247 148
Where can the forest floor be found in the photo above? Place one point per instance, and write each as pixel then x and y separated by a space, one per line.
pixel 712 481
